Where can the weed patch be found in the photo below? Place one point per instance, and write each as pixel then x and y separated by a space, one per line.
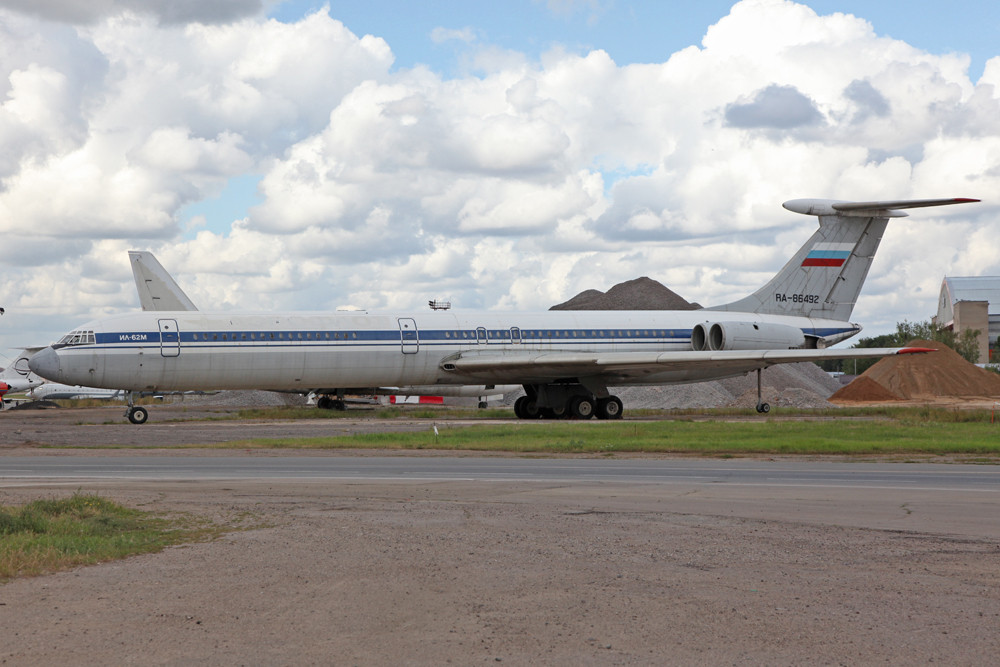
pixel 55 534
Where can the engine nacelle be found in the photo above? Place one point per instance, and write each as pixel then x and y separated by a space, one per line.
pixel 745 336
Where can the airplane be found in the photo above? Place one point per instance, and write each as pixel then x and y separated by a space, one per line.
pixel 17 377
pixel 565 360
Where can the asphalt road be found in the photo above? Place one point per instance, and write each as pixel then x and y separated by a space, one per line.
pixel 945 499
pixel 926 477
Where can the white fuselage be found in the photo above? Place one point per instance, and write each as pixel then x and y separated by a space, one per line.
pixel 322 351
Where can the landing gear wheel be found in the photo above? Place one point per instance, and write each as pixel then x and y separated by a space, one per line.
pixel 560 412
pixel 519 407
pixel 482 405
pixel 338 404
pixel 763 408
pixel 581 407
pixel 531 410
pixel 137 414
pixel 609 408
pixel 552 413
pixel 324 403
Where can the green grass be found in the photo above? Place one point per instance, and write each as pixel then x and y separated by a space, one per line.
pixel 56 534
pixel 914 434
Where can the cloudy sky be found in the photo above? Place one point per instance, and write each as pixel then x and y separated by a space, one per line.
pixel 302 155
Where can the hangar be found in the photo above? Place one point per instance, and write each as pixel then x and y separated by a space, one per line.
pixel 971 302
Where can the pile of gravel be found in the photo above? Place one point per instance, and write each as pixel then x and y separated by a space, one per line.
pixel 245 399
pixel 639 294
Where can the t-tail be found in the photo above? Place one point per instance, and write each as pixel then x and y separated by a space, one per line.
pixel 825 276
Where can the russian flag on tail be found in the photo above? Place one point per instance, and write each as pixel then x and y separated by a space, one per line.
pixel 828 254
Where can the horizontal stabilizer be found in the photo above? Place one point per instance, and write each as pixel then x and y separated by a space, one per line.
pixel 867 209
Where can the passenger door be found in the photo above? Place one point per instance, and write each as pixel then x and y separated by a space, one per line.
pixel 409 337
pixel 170 339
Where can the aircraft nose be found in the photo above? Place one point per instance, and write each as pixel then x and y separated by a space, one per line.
pixel 45 363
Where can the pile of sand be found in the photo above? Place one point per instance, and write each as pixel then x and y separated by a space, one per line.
pixel 863 389
pixel 921 376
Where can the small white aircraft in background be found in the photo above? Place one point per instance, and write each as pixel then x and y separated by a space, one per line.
pixel 17 377
pixel 53 391
pixel 565 360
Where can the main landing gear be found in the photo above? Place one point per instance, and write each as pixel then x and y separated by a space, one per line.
pixel 565 402
pixel 135 413
pixel 762 407
pixel 326 402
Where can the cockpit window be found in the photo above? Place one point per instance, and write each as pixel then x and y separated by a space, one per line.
pixel 77 338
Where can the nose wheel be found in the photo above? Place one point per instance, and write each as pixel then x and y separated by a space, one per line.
pixel 135 413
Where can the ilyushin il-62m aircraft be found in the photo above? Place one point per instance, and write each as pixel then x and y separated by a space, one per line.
pixel 565 360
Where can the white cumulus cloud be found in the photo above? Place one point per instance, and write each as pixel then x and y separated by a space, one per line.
pixel 517 187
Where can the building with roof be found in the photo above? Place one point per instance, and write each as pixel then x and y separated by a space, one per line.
pixel 971 302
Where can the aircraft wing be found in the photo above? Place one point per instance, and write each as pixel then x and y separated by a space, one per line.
pixel 621 367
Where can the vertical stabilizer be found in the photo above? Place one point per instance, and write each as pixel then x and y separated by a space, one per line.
pixel 157 290
pixel 823 279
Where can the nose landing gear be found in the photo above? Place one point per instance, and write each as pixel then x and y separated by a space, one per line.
pixel 135 413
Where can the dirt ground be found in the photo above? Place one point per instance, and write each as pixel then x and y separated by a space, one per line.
pixel 464 573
